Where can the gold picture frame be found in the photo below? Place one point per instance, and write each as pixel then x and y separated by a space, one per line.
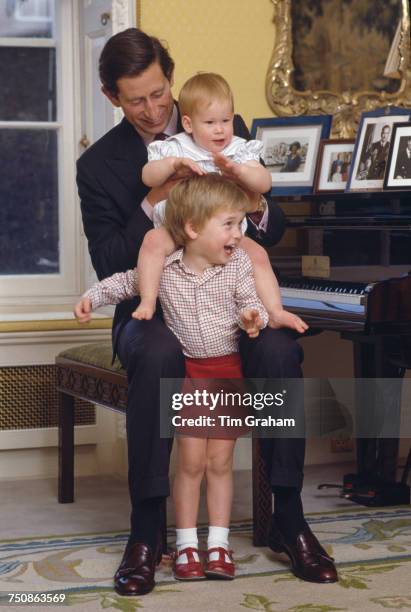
pixel 347 106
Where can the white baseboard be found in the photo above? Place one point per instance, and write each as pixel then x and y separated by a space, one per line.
pixel 14 439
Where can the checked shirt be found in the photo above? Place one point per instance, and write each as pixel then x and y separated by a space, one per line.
pixel 202 310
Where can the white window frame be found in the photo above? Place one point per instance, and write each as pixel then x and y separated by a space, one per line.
pixel 36 16
pixel 30 292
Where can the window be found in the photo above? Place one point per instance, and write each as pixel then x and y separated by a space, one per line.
pixel 40 246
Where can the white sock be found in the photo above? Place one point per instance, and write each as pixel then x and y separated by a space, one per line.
pixel 186 538
pixel 218 538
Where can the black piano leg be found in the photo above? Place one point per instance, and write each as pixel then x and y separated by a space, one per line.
pixel 387 459
pixel 365 366
pixel 377 416
pixel 366 458
pixel 377 458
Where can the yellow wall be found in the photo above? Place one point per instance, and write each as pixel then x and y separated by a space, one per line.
pixel 232 37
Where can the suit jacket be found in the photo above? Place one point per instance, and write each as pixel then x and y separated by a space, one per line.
pixel 379 154
pixel 403 166
pixel 110 189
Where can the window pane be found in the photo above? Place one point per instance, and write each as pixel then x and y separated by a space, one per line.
pixel 28 84
pixel 28 202
pixel 26 18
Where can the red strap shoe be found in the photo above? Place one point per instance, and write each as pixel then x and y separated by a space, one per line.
pixel 192 569
pixel 220 568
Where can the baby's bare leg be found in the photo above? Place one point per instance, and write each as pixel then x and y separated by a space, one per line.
pixel 268 289
pixel 265 280
pixel 157 245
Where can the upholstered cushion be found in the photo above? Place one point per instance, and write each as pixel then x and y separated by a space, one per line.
pixel 98 354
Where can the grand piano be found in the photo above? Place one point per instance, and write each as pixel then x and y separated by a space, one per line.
pixel 366 298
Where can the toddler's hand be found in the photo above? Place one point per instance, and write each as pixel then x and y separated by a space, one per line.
pixel 283 318
pixel 251 322
pixel 82 310
pixel 145 310
pixel 185 167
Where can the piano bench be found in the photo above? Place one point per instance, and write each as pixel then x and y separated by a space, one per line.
pixel 86 372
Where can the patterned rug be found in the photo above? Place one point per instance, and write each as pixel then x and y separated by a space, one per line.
pixel 372 549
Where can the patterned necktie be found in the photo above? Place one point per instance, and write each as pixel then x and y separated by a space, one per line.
pixel 160 136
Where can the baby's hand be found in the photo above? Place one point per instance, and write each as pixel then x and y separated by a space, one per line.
pixel 82 310
pixel 251 322
pixel 185 167
pixel 229 169
pixel 283 318
pixel 157 194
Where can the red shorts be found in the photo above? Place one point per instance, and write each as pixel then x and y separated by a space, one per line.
pixel 218 376
pixel 227 366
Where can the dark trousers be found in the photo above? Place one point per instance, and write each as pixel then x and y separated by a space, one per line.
pixel 150 351
pixel 276 355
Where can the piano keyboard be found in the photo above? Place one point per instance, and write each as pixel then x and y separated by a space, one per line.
pixel 325 303
pixel 325 290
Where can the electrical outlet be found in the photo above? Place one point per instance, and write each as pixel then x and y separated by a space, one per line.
pixel 341 445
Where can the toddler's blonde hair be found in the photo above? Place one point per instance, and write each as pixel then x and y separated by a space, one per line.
pixel 197 199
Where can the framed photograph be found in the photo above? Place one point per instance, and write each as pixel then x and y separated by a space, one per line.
pixel 398 172
pixel 372 146
pixel 333 165
pixel 290 150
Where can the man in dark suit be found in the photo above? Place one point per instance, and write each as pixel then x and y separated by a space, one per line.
pixel 403 166
pixel 379 155
pixel 137 74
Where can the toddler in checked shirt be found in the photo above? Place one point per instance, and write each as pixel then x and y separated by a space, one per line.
pixel 207 294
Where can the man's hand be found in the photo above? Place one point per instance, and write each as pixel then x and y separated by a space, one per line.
pixel 82 310
pixel 254 200
pixel 283 318
pixel 251 322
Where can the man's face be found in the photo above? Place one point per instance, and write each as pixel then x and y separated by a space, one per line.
pixel 146 100
pixel 385 134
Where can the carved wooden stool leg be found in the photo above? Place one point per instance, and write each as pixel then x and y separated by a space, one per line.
pixel 66 448
pixel 262 497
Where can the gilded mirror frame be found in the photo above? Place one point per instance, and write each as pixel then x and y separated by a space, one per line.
pixel 346 107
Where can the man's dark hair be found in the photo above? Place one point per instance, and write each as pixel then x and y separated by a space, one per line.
pixel 128 54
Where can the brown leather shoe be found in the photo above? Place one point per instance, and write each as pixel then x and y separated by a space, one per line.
pixel 309 560
pixel 135 575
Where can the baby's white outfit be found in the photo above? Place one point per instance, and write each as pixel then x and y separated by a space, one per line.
pixel 182 145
